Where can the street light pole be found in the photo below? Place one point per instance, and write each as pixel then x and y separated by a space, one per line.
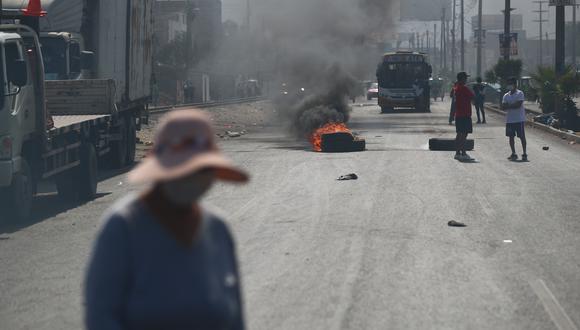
pixel 462 35
pixel 560 39
pixel 453 41
pixel 479 36
pixel 506 31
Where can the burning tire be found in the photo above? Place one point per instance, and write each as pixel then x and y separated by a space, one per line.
pixel 448 144
pixel 342 142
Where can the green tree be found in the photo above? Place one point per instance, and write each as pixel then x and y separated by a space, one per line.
pixel 490 77
pixel 556 93
pixel 505 69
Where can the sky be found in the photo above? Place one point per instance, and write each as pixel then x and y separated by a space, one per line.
pixel 235 10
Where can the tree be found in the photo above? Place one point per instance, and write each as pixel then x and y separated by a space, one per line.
pixel 490 77
pixel 505 69
pixel 558 90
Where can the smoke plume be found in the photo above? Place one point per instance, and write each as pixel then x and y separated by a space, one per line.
pixel 325 47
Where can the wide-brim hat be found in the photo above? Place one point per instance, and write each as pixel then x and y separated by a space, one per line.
pixel 183 145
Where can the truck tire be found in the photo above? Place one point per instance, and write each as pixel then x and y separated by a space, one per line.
pixel 80 183
pixel 19 195
pixel 131 141
pixel 118 153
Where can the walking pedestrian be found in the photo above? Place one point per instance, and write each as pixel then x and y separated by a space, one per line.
pixel 162 261
pixel 463 123
pixel 513 104
pixel 479 100
pixel 453 105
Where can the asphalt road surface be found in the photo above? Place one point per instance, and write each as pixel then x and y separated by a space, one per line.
pixel 374 253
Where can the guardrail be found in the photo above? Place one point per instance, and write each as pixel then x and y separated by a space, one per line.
pixel 542 127
pixel 155 110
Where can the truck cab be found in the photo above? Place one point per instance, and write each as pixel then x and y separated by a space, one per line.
pixel 61 52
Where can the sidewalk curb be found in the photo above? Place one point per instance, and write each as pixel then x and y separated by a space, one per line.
pixel 548 129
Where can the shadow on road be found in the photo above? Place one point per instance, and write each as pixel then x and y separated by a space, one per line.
pixel 48 204
pixel 45 206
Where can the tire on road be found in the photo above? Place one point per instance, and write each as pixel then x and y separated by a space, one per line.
pixel 17 199
pixel 80 183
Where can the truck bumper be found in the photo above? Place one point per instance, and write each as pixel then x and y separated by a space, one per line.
pixel 6 172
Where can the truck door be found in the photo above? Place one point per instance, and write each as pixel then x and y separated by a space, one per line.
pixel 20 100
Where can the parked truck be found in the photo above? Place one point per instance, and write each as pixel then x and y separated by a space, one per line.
pixel 64 130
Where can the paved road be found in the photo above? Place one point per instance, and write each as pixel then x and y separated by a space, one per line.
pixel 369 254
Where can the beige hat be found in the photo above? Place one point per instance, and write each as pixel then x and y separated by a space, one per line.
pixel 184 144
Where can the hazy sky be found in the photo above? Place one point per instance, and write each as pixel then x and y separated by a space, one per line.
pixel 235 9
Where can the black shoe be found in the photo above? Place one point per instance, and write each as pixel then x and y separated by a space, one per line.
pixel 525 157
pixel 478 122
pixel 513 157
pixel 484 122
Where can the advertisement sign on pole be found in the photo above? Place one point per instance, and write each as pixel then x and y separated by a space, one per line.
pixel 509 44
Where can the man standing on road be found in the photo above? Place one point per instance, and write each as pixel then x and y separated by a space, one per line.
pixel 513 104
pixel 463 124
pixel 479 100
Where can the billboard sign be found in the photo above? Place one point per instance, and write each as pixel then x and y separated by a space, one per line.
pixel 562 2
pixel 425 10
pixel 509 44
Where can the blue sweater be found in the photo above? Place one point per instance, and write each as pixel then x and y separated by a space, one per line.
pixel 140 277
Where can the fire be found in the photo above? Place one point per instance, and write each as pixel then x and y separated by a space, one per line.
pixel 316 137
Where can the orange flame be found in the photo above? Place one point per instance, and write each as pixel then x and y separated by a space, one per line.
pixel 316 136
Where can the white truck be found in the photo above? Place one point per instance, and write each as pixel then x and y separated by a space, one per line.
pixel 64 130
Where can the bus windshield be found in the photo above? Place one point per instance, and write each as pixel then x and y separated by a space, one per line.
pixel 401 75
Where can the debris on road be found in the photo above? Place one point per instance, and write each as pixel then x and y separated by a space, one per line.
pixel 149 143
pixel 507 241
pixel 546 148
pixel 351 176
pixel 233 134
pixel 454 223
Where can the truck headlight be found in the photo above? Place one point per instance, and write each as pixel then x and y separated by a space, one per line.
pixel 6 147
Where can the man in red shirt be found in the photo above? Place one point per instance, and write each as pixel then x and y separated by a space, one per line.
pixel 463 123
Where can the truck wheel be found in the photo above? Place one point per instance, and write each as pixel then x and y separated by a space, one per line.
pixel 118 153
pixel 87 173
pixel 19 195
pixel 80 183
pixel 131 141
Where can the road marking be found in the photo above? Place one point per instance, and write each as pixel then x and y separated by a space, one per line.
pixel 552 306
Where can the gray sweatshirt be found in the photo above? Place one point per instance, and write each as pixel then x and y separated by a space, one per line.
pixel 140 277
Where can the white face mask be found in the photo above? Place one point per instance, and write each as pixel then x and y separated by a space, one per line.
pixel 186 191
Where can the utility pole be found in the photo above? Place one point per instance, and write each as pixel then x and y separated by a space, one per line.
pixel 462 35
pixel 443 43
pixel 574 36
pixel 453 41
pixel 506 30
pixel 248 15
pixel 541 21
pixel 435 42
pixel 560 38
pixel 479 36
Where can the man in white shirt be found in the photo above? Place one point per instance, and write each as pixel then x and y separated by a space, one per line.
pixel 513 104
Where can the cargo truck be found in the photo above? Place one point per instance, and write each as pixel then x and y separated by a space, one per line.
pixel 64 130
